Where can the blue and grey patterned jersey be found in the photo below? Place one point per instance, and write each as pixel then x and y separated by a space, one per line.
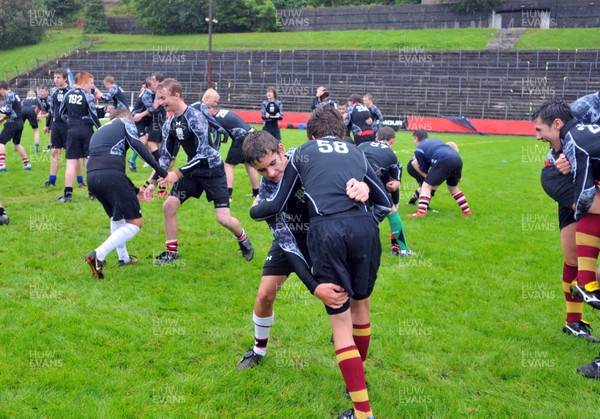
pixel 109 145
pixel 587 108
pixel 356 118
pixel 117 96
pixel 11 107
pixel 377 117
pixel 581 146
pixel 190 131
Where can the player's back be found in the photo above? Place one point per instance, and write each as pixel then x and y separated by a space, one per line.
pixel 379 155
pixel 435 150
pixel 325 165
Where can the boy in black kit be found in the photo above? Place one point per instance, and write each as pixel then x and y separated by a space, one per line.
pixel 343 239
pixel 13 128
pixel 78 110
pixel 113 189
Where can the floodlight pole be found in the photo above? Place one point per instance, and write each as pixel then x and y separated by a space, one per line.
pixel 210 21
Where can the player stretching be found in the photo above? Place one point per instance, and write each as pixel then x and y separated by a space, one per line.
pixel 289 251
pixel 113 189
pixel 13 128
pixel 384 162
pixel 343 244
pixel 437 162
pixel 203 172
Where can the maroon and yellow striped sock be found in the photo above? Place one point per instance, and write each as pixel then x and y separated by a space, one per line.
pixel 362 337
pixel 574 305
pixel 588 246
pixel 351 366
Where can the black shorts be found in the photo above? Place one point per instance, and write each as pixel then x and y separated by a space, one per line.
pixel 449 170
pixel 272 127
pixel 116 193
pixel 276 262
pixel 142 127
pixel 566 216
pixel 58 134
pixel 213 181
pixel 78 141
pixel 557 186
pixel 30 116
pixel 413 172
pixel 12 131
pixel 235 154
pixel 359 139
pixel 155 129
pixel 345 249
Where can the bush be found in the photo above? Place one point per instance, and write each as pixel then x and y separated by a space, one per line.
pixel 23 22
pixel 94 17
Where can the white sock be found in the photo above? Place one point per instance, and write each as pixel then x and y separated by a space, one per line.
pixel 121 236
pixel 121 250
pixel 262 327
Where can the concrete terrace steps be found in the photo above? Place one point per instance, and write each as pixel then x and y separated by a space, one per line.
pixel 484 84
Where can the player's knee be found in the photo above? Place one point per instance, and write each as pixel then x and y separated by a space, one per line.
pixel 266 296
pixel 170 206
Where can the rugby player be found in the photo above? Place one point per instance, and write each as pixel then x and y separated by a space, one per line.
pixel 204 172
pixel 113 189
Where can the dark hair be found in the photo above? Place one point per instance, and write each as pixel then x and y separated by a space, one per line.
pixel 550 111
pixel 386 134
pixel 355 98
pixel 4 84
pixel 158 77
pixel 272 89
pixel 62 72
pixel 421 134
pixel 257 144
pixel 325 121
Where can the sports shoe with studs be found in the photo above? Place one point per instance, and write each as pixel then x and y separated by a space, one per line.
pixel 589 293
pixel 395 250
pixel 166 257
pixel 132 261
pixel 95 264
pixel 591 370
pixel 580 329
pixel 249 360
pixel 247 249
pixel 65 198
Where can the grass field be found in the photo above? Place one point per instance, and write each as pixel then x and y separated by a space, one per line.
pixel 471 326
pixel 63 41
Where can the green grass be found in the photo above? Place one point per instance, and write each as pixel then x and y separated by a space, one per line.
pixel 54 45
pixel 568 39
pixel 61 42
pixel 426 39
pixel 471 326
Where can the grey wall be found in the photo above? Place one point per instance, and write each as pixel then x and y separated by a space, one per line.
pixel 515 13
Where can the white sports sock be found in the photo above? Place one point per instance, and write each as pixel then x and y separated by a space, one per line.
pixel 121 236
pixel 262 327
pixel 121 250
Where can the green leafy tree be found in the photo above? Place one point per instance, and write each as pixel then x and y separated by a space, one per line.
pixel 23 22
pixel 189 16
pixel 94 17
pixel 64 9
